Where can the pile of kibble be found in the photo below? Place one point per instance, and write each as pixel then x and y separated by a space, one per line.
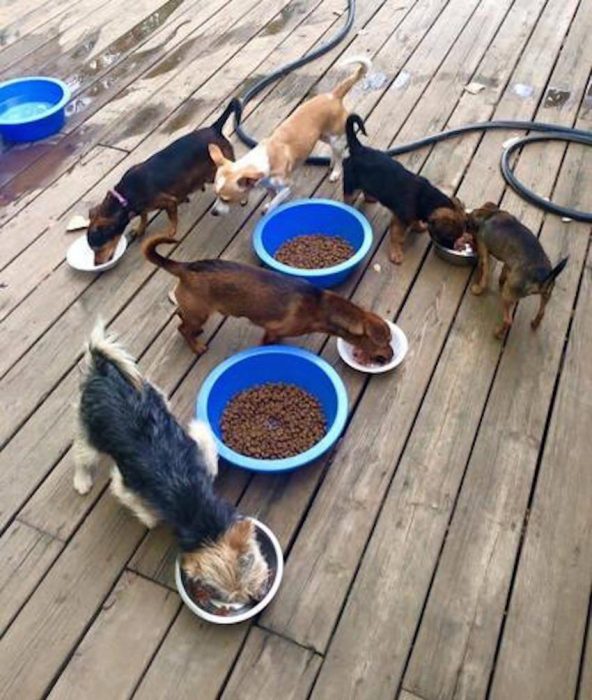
pixel 314 251
pixel 272 421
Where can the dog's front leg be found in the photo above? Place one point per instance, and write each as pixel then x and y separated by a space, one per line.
pixel 281 191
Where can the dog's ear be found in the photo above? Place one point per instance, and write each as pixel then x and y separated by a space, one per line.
pixel 343 315
pixel 458 205
pixel 377 330
pixel 216 154
pixel 250 178
pixel 239 536
pixel 482 213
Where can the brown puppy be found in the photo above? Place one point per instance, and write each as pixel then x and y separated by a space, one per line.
pixel 271 163
pixel 526 268
pixel 281 305
pixel 163 181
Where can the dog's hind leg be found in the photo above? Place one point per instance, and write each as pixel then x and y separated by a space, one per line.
pixel 85 458
pixel 536 321
pixel 338 145
pixel 201 434
pixel 129 499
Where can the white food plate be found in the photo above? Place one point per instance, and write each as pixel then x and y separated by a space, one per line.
pixel 399 344
pixel 81 256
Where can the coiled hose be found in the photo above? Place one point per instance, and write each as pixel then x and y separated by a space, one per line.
pixel 548 132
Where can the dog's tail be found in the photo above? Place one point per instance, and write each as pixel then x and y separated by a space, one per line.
pixel 350 131
pixel 364 65
pixel 555 272
pixel 105 345
pixel 149 247
pixel 233 106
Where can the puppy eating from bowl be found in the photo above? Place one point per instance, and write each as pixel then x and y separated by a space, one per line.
pixel 283 306
pixel 163 473
pixel 271 163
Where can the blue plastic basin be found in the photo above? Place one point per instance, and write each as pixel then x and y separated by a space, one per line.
pixel 274 363
pixel 308 216
pixel 32 108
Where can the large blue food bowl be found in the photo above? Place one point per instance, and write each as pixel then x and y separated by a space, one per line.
pixel 32 108
pixel 307 216
pixel 274 363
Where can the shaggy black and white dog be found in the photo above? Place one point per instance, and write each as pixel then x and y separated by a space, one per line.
pixel 162 472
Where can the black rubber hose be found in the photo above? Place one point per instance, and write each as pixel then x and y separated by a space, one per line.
pixel 548 132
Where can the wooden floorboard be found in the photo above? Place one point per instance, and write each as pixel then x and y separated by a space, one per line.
pixel 442 551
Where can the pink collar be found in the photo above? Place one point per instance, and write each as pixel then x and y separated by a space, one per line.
pixel 119 197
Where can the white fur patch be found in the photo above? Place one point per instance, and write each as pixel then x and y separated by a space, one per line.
pixel 106 344
pixel 201 434
pixel 257 158
pixel 220 207
pixel 130 500
pixel 85 458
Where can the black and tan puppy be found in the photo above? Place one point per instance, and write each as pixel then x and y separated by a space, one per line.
pixel 163 181
pixel 282 306
pixel 413 201
pixel 526 268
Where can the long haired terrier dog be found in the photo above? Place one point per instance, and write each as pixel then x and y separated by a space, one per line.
pixel 162 472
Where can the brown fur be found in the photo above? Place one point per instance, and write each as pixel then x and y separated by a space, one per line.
pixel 321 118
pixel 221 565
pixel 526 268
pixel 282 306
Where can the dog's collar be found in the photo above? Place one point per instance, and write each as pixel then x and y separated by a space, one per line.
pixel 120 198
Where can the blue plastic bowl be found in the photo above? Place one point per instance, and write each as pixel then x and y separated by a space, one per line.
pixel 308 216
pixel 32 108
pixel 274 363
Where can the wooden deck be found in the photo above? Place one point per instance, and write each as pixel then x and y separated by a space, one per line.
pixel 444 550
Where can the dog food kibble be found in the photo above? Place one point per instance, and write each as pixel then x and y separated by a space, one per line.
pixel 314 251
pixel 272 421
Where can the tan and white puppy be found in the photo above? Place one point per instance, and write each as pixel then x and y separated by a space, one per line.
pixel 271 163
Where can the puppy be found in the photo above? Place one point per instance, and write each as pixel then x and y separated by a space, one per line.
pixel 161 182
pixel 271 163
pixel 413 201
pixel 281 305
pixel 162 472
pixel 526 268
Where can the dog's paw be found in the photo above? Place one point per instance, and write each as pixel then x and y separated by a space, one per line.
pixel 396 256
pixel 82 483
pixel 476 289
pixel 334 175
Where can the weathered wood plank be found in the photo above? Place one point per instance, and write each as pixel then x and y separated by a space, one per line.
pixel 270 667
pixel 80 40
pixel 53 619
pixel 63 150
pixel 585 690
pixel 36 28
pixel 456 642
pixel 111 658
pixel 194 659
pixel 546 622
pixel 25 554
pixel 422 494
